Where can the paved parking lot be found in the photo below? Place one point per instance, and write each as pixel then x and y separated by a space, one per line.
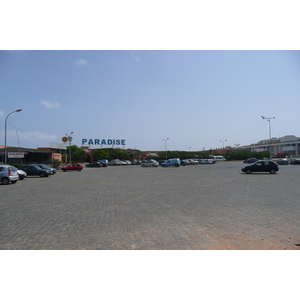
pixel 129 207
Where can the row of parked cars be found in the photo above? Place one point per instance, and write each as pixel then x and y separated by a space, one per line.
pixel 175 162
pixel 11 174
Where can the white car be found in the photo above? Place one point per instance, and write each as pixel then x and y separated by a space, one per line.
pixel 150 163
pixel 22 174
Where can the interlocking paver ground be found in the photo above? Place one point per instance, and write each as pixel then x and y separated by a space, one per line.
pixel 129 207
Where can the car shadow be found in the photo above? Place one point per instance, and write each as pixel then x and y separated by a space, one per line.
pixel 258 173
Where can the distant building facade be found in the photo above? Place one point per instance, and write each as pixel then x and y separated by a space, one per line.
pixel 289 144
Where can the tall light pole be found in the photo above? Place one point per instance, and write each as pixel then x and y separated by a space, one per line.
pixel 165 140
pixel 270 141
pixel 223 142
pixel 5 150
pixel 70 140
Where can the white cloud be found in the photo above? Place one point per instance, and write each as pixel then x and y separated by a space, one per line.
pixel 49 104
pixel 81 62
pixel 137 59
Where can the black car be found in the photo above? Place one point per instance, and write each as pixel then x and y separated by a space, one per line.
pixel 261 166
pixel 250 160
pixel 295 161
pixel 282 161
pixel 95 164
pixel 52 170
pixel 35 170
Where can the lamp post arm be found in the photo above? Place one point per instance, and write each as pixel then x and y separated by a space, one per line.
pixel 5 129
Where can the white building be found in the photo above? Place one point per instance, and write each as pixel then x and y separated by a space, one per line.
pixel 289 144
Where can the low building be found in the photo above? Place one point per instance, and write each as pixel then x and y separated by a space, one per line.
pixel 19 155
pixel 289 144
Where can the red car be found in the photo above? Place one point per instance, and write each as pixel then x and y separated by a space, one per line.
pixel 72 166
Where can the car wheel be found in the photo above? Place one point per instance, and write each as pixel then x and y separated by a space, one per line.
pixel 5 181
pixel 42 174
pixel 153 166
pixel 248 171
pixel 21 178
pixel 272 171
pixel 64 170
pixel 79 170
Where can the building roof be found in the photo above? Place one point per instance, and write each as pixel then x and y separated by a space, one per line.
pixel 26 150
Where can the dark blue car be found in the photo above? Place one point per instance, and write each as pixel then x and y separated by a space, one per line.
pixel 34 170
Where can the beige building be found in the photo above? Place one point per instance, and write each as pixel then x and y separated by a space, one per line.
pixel 289 144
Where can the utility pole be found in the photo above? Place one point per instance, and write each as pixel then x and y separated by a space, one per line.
pixel 5 150
pixel 270 140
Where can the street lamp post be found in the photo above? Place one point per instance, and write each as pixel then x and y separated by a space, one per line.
pixel 70 140
pixel 5 150
pixel 165 140
pixel 223 142
pixel 270 141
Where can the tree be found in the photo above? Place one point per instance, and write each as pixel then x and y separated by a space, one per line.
pixel 77 153
pixel 110 153
pixel 101 154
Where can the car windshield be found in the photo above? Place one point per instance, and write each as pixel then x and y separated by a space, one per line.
pixel 39 168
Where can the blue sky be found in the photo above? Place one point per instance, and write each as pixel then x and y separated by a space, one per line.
pixel 194 98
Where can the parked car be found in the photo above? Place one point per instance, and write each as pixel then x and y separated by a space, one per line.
pixel 95 164
pixel 282 161
pixel 182 162
pixel 34 170
pixel 72 167
pixel 8 174
pixel 115 162
pixel 161 161
pixel 261 166
pixel 219 158
pixel 173 162
pixel 295 161
pixel 250 160
pixel 104 162
pixel 206 161
pixel 192 162
pixel 149 163
pixel 22 174
pixel 52 170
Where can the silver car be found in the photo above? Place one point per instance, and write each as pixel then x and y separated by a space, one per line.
pixel 8 174
pixel 150 163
